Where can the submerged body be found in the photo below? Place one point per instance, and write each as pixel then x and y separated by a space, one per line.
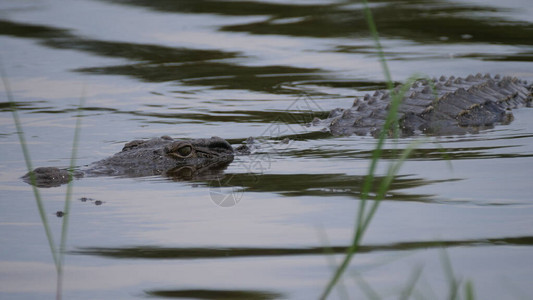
pixel 441 106
pixel 179 159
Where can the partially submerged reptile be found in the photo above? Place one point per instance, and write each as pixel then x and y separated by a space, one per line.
pixel 440 106
pixel 443 106
pixel 179 159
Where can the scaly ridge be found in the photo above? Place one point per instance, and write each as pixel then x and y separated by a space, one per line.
pixel 447 105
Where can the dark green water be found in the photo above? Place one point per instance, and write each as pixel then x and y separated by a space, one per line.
pixel 237 69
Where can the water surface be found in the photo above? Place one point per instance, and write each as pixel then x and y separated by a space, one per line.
pixel 237 69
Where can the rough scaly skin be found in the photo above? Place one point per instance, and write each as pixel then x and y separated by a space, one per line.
pixel 178 159
pixel 441 106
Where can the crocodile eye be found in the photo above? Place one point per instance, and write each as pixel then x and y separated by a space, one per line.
pixel 180 150
pixel 185 151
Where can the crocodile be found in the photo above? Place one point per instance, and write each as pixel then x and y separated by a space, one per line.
pixel 178 159
pixel 443 106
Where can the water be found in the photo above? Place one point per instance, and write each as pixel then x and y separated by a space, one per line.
pixel 237 69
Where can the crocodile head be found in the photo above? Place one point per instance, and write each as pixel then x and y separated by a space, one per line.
pixel 165 155
pixel 177 159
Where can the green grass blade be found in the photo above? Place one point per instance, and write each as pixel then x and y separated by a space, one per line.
pixel 374 32
pixel 330 256
pixel 469 291
pixel 68 197
pixel 450 276
pixel 366 288
pixel 376 154
pixel 363 216
pixel 408 290
pixel 386 182
pixel 27 159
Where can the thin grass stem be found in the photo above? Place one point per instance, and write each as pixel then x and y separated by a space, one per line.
pixel 448 271
pixel 469 291
pixel 27 159
pixel 330 256
pixel 68 197
pixel 367 288
pixel 374 32
pixel 411 283
pixel 364 217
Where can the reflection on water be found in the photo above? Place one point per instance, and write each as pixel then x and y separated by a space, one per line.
pixel 263 69
pixel 161 64
pixel 196 253
pixel 324 185
pixel 213 294
pixel 420 21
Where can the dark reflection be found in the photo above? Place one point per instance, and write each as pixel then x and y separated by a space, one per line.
pixel 174 116
pixel 324 185
pixel 312 135
pixel 526 56
pixel 357 85
pixel 212 171
pixel 420 21
pixel 144 252
pixel 218 75
pixel 424 154
pixel 155 63
pixel 417 20
pixel 231 8
pixel 63 39
pixel 8 106
pixel 22 30
pixel 214 294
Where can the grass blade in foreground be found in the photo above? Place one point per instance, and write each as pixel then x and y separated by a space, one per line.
pixel 57 255
pixel 27 159
pixel 364 217
pixel 68 197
